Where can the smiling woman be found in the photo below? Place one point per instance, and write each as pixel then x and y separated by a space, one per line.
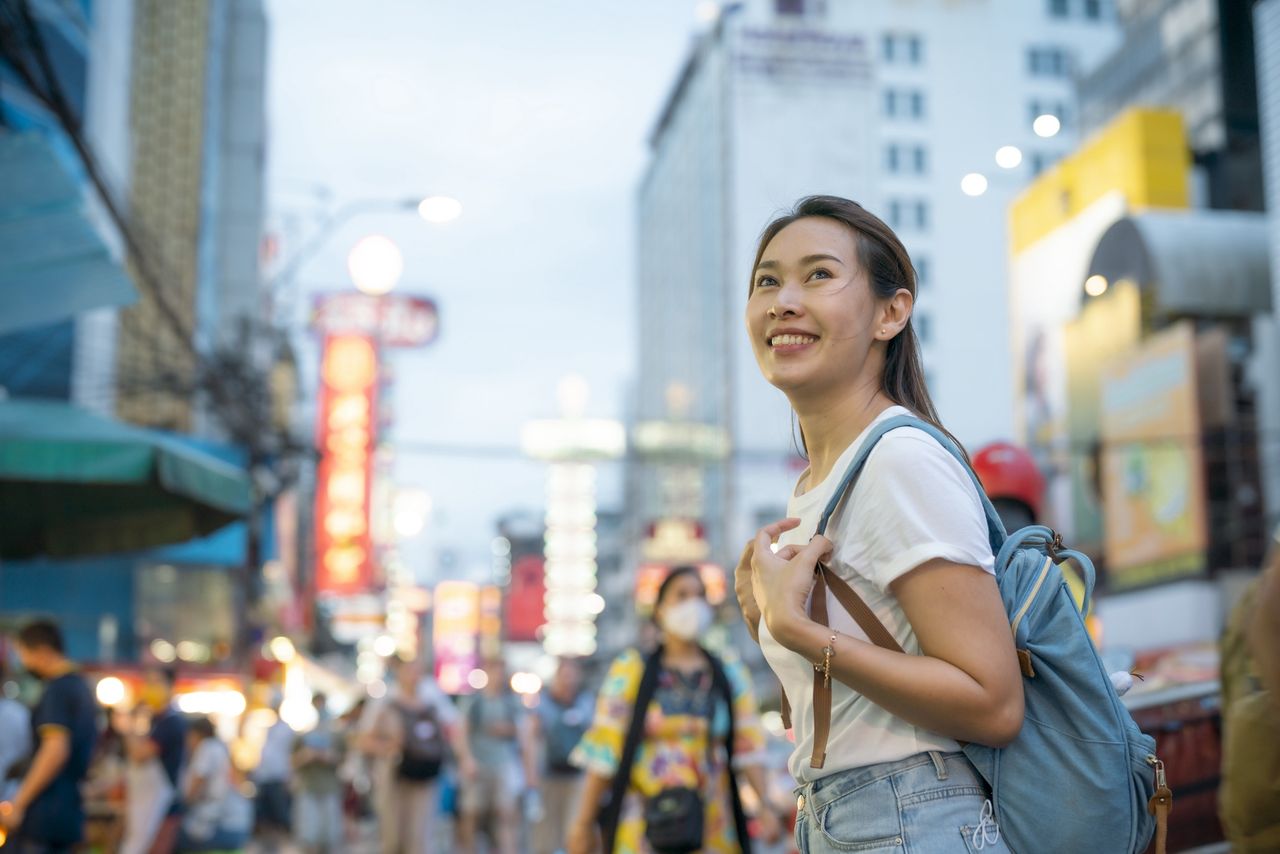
pixel 877 725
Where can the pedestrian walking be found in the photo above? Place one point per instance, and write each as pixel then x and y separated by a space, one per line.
pixel 273 809
pixel 156 757
pixel 829 317
pixel 46 813
pixel 671 732
pixel 215 817
pixel 499 730
pixel 564 713
pixel 1249 797
pixel 15 739
pixel 407 734
pixel 317 755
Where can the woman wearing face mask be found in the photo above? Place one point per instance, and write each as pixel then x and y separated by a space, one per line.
pixel 829 316
pixel 674 770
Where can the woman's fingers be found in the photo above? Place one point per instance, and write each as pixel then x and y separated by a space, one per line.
pixel 778 528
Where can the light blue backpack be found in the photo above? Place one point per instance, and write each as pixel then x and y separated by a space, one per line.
pixel 1080 776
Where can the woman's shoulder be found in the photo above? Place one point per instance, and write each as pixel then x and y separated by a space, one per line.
pixel 626 669
pixel 909 453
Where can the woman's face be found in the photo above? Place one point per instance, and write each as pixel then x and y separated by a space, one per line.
pixel 687 586
pixel 811 315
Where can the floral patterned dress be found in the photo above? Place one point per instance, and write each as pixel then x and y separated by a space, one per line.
pixel 674 750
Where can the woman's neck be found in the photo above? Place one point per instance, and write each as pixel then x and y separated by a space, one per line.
pixel 679 650
pixel 830 424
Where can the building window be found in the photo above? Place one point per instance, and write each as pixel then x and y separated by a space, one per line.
pixel 904 48
pixel 915 50
pixel 1049 62
pixel 1059 8
pixel 904 158
pixel 909 213
pixel 789 7
pixel 1040 162
pixel 1093 10
pixel 922 325
pixel 904 103
pixel 923 272
pixel 1039 108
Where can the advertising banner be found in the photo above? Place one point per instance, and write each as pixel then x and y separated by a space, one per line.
pixel 1153 490
pixel 455 634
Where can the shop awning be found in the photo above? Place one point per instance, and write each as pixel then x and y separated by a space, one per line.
pixel 1205 263
pixel 53 263
pixel 74 483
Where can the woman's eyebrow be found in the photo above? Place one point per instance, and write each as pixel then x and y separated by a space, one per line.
pixel 808 259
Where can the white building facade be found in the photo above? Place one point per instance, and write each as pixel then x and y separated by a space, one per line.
pixel 887 102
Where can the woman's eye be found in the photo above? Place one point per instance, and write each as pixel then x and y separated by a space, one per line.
pixel 820 274
pixel 766 282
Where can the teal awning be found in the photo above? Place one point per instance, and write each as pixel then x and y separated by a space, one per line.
pixel 53 262
pixel 74 483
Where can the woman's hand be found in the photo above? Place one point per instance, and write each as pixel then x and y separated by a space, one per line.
pixel 781 582
pixel 742 578
pixel 583 838
pixel 769 825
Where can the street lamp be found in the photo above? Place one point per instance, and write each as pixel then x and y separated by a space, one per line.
pixel 433 209
pixel 375 265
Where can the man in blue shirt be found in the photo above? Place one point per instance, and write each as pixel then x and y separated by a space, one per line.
pixel 46 815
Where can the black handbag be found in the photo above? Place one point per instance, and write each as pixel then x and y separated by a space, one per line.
pixel 673 821
pixel 674 818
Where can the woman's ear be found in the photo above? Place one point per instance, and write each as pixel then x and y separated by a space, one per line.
pixel 895 314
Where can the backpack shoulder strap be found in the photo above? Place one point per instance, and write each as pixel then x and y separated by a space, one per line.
pixel 612 811
pixel 995 528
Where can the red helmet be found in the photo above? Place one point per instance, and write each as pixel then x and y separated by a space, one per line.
pixel 1007 471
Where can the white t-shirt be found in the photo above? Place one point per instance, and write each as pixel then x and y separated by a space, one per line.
pixel 211 763
pixel 275 765
pixel 913 503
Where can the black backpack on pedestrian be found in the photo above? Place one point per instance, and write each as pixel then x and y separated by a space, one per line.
pixel 422 753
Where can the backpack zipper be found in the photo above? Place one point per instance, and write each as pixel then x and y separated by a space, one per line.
pixel 1031 597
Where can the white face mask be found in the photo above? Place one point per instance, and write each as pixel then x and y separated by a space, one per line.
pixel 688 620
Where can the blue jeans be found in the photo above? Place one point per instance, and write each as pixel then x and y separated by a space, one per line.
pixel 931 803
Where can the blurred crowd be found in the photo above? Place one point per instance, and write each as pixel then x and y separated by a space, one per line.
pixel 412 771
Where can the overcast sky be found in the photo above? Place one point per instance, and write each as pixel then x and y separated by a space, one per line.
pixel 535 116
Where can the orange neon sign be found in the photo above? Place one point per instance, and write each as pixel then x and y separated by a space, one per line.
pixel 347 436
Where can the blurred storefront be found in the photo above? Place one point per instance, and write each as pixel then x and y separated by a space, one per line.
pixel 1136 370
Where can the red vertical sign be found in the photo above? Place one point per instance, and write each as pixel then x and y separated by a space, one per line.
pixel 346 437
pixel 525 614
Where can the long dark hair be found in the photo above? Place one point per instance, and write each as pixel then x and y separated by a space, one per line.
pixel 889 269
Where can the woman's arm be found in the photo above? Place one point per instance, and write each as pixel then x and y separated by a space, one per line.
pixel 966 683
pixel 583 835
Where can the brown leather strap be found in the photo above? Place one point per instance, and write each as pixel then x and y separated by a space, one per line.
pixel 821 686
pixel 859 610
pixel 786 708
pixel 866 620
pixel 1159 806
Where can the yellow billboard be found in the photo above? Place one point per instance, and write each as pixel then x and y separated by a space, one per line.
pixel 1153 490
